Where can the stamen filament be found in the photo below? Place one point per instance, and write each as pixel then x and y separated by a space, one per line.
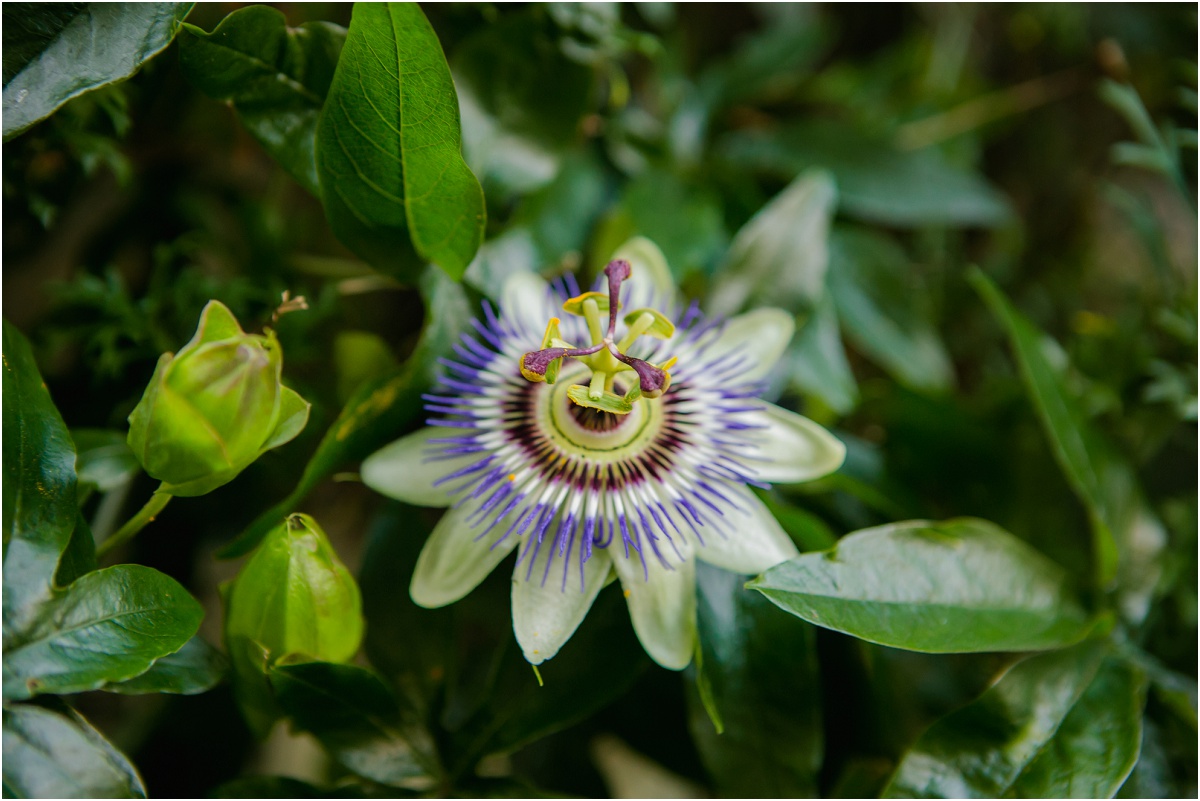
pixel 596 387
pixel 639 327
pixel 591 311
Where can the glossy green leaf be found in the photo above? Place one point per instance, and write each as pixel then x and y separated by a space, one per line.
pixel 1095 748
pixel 105 460
pixel 356 717
pixel 52 55
pixel 107 626
pixel 762 671
pixel 389 147
pixel 195 668
pixel 275 77
pixel 952 587
pixel 79 556
pixel 294 596
pixel 1096 474
pixel 380 411
pixel 780 256
pixel 39 485
pixel 51 751
pixel 876 182
pixel 816 360
pixel 984 748
pixel 884 310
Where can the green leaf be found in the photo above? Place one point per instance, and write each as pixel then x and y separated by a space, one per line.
pixel 107 626
pixel 985 748
pixel 884 312
pixel 1094 750
pixel 105 459
pixel 816 360
pixel 355 716
pixel 762 670
pixel 379 411
pixel 52 752
pixel 79 556
pixel 39 485
pixel 876 182
pixel 275 77
pixel 195 668
pixel 1090 465
pixel 52 55
pixel 389 147
pixel 780 256
pixel 957 586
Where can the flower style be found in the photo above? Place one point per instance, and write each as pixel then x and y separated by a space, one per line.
pixel 631 455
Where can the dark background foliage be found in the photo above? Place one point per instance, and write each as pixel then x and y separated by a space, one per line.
pixel 955 135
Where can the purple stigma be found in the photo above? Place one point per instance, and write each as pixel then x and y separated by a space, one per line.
pixel 618 270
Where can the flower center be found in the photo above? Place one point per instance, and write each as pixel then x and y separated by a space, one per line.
pixel 606 358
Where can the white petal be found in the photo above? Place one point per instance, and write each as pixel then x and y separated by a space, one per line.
pixel 546 614
pixel 756 544
pixel 758 336
pixel 525 304
pixel 663 608
pixel 404 470
pixel 792 448
pixel 452 563
pixel 650 284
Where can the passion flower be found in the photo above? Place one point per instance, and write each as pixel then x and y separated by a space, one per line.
pixel 597 443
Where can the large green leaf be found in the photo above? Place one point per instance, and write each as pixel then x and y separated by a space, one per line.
pixel 1104 483
pixel 50 751
pixel 883 309
pixel 356 717
pixel 195 668
pixel 761 669
pixel 952 587
pixel 276 77
pixel 1095 748
pixel 107 626
pixel 780 256
pixel 389 147
pixel 380 410
pixel 1019 737
pixel 54 53
pixel 876 182
pixel 39 485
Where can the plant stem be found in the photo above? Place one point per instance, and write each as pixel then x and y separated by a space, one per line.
pixel 136 523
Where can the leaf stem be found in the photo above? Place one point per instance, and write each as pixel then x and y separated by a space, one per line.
pixel 156 504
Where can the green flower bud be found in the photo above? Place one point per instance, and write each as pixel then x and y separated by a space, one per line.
pixel 214 407
pixel 294 598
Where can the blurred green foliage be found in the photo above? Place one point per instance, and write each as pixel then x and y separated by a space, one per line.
pixel 983 218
